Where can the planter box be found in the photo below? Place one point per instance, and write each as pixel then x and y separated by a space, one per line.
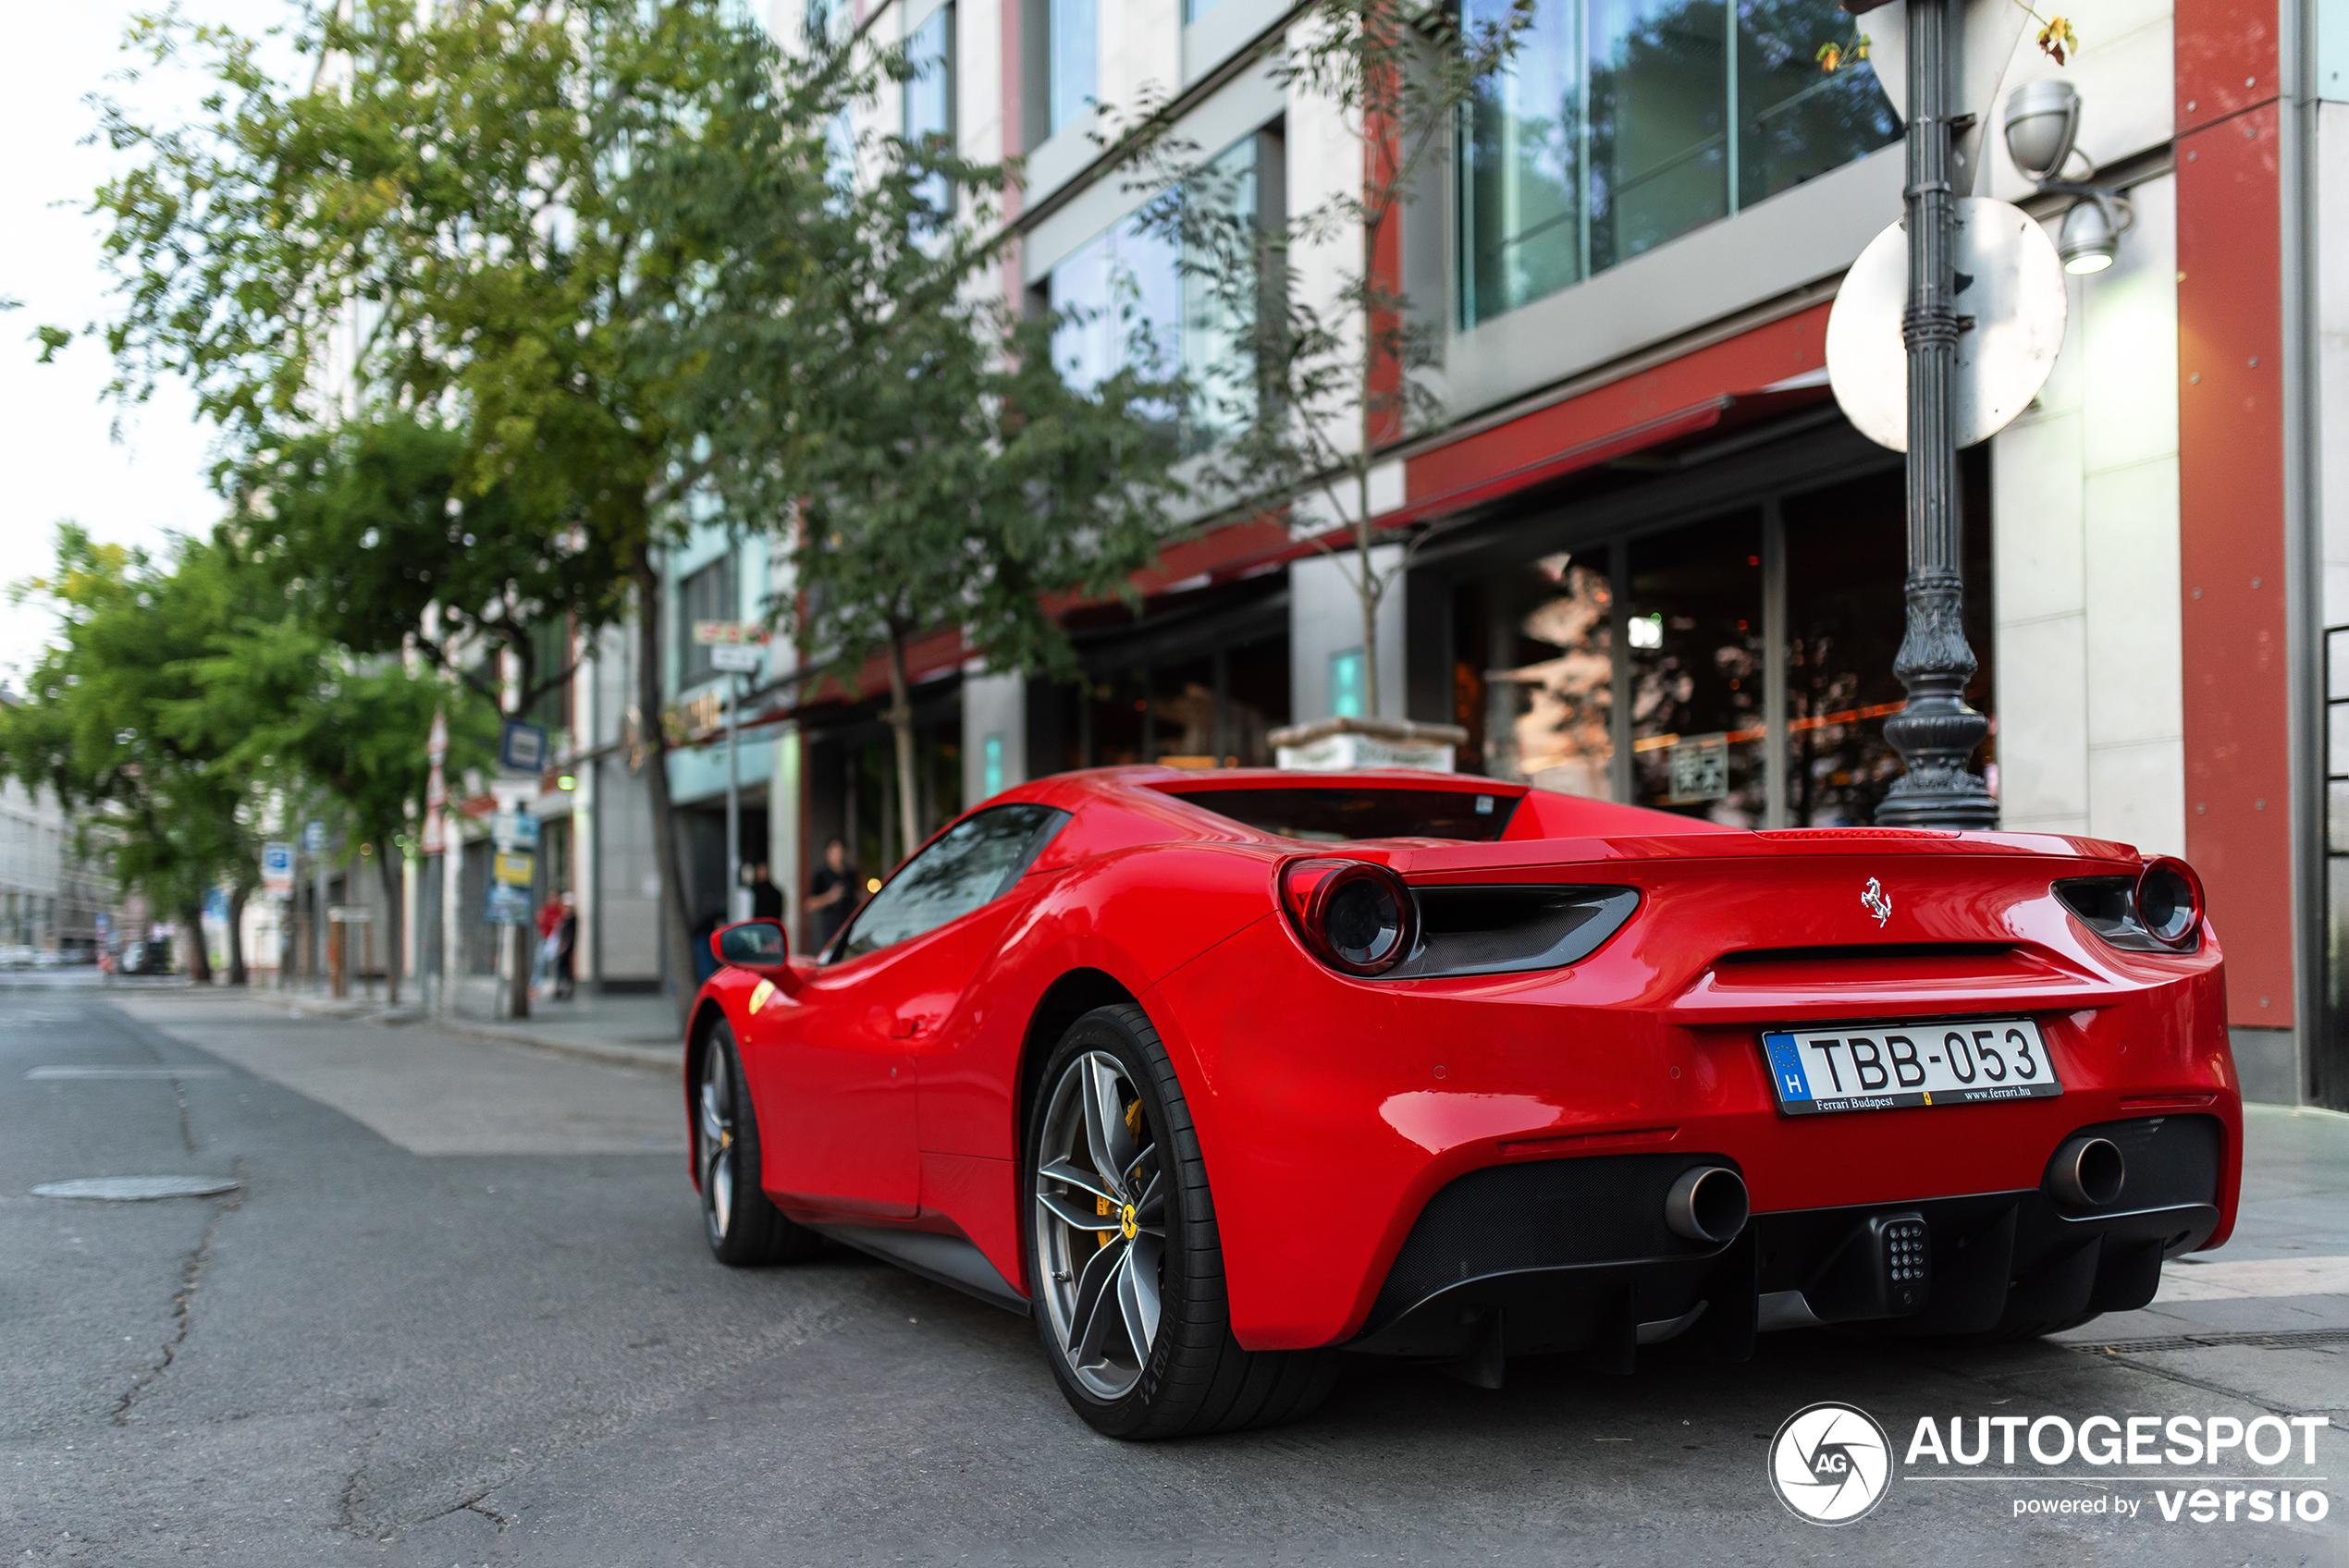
pixel 1337 745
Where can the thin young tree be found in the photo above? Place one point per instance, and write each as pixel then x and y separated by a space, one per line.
pixel 1329 356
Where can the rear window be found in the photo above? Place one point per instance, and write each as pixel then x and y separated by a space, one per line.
pixel 1338 816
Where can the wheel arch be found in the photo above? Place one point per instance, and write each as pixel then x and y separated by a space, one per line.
pixel 1064 1002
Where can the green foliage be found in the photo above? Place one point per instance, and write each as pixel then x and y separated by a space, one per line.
pixel 98 725
pixel 861 383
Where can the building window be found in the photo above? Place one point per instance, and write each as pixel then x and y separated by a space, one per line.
pixel 1072 64
pixel 929 98
pixel 708 594
pixel 1129 299
pixel 1622 124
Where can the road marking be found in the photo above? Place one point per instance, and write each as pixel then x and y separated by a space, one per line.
pixel 41 1073
pixel 2254 1277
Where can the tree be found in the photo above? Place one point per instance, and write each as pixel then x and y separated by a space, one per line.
pixel 419 278
pixel 172 815
pixel 865 390
pixel 1330 354
pixel 286 704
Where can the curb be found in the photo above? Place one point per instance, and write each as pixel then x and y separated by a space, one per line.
pixel 645 1058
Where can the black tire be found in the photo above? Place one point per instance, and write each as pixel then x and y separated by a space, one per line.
pixel 1195 1379
pixel 743 1226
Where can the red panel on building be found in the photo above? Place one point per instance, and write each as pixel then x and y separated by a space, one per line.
pixel 2230 502
pixel 2226 63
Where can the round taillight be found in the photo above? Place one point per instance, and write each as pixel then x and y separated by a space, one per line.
pixel 2170 902
pixel 1357 917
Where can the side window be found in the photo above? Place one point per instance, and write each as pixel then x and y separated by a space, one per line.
pixel 971 864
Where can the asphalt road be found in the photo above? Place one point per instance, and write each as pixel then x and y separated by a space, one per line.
pixel 460 1312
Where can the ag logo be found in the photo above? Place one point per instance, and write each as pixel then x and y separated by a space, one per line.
pixel 1830 1463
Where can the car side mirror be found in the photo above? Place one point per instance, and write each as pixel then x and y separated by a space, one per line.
pixel 759 946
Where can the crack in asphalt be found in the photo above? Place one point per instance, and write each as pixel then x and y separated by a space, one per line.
pixel 182 1305
pixel 477 1503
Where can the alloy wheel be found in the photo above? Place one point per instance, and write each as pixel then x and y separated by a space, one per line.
pixel 717 1115
pixel 1100 1224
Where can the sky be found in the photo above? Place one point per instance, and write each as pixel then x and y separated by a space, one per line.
pixel 56 432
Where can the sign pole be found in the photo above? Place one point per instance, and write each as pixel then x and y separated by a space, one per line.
pixel 1938 733
pixel 733 799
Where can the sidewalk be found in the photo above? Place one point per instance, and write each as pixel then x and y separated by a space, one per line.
pixel 629 1031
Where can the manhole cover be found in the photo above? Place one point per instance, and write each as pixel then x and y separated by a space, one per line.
pixel 137 1189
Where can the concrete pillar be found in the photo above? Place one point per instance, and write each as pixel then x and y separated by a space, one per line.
pixel 994 734
pixel 1326 623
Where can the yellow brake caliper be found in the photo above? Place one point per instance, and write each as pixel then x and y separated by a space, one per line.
pixel 1103 1208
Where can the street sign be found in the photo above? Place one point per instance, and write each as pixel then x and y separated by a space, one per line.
pixel 522 748
pixel 314 836
pixel 348 914
pixel 514 829
pixel 507 906
pixel 737 661
pixel 2009 286
pixel 727 633
pixel 276 869
pixel 215 903
pixel 513 870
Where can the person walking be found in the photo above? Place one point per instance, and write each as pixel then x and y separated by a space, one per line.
pixel 567 949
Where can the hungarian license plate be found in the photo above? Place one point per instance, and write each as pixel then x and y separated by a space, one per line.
pixel 1884 1067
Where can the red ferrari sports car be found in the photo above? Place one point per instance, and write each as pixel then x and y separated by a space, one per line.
pixel 1217 1074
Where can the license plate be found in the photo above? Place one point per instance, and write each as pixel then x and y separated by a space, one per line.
pixel 1884 1067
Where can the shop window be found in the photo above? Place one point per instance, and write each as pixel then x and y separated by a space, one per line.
pixel 1211 711
pixel 929 98
pixel 1622 123
pixel 1697 675
pixel 1535 681
pixel 1847 562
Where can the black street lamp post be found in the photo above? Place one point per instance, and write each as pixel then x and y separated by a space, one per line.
pixel 1936 733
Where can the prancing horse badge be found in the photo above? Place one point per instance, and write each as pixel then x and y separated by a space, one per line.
pixel 1878 904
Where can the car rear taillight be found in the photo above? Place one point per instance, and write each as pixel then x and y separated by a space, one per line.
pixel 1356 916
pixel 2170 902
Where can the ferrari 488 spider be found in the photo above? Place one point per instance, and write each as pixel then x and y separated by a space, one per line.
pixel 1218 1074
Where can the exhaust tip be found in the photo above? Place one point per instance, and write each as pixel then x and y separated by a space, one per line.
pixel 1708 1205
pixel 2089 1173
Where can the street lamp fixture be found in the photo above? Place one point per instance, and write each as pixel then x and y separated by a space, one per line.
pixel 2042 126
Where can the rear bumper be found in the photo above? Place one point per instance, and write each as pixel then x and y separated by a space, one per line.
pixel 1574 1256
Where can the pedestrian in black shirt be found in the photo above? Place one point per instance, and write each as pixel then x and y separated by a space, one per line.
pixel 766 899
pixel 831 896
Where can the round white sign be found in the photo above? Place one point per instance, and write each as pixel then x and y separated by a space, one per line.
pixel 2010 287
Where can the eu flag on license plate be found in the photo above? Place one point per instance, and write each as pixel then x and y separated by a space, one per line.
pixel 1786 1061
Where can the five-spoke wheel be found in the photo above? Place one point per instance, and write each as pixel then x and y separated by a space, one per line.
pixel 743 1226
pixel 1100 1223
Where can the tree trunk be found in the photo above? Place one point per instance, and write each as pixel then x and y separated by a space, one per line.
pixel 199 960
pixel 389 870
pixel 237 974
pixel 901 725
pixel 1368 588
pixel 676 939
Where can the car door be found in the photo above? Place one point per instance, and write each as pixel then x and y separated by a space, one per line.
pixel 843 1062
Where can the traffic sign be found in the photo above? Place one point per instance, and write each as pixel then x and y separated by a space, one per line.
pixel 314 836
pixel 522 748
pixel 737 661
pixel 515 870
pixel 436 742
pixel 2011 290
pixel 507 906
pixel 514 829
pixel 276 869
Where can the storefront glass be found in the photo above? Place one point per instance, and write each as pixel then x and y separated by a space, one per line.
pixel 1694 632
pixel 1535 689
